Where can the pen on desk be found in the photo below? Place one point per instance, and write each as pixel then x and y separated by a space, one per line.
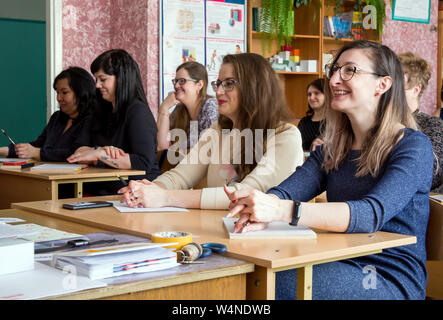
pixel 4 132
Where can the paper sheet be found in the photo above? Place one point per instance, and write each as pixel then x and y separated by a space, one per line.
pixel 274 230
pixel 44 233
pixel 42 282
pixel 10 220
pixel 123 207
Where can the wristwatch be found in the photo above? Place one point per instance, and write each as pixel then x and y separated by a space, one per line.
pixel 296 213
pixel 73 244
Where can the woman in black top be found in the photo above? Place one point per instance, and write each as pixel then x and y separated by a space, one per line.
pixel 309 126
pixel 76 96
pixel 122 133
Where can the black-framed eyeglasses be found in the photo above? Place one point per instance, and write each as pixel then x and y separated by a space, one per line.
pixel 227 84
pixel 347 71
pixel 182 81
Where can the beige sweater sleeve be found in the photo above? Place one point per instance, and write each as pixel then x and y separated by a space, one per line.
pixel 193 168
pixel 283 155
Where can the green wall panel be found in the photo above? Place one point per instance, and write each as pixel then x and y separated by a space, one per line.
pixel 23 79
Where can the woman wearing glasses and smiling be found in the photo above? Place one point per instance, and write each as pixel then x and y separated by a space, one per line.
pixel 377 171
pixel 250 102
pixel 192 104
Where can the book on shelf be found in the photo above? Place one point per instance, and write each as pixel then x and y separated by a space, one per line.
pixel 338 26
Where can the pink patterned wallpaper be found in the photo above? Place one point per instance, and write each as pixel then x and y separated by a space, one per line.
pixel 86 31
pixel 422 40
pixel 92 27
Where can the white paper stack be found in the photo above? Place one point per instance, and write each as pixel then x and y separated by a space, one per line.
pixel 16 255
pixel 107 262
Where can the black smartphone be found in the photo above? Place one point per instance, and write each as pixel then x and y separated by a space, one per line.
pixel 86 205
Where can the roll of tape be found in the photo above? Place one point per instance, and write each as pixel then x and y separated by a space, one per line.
pixel 181 238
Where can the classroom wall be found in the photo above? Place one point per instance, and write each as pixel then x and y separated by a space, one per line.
pixel 421 39
pixel 90 28
pixel 23 67
pixel 88 31
pixel 23 9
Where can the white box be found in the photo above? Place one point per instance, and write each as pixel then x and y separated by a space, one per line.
pixel 16 255
pixel 308 65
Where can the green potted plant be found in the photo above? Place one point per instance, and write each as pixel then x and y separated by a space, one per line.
pixel 277 21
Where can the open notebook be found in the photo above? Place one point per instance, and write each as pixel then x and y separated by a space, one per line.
pixel 274 230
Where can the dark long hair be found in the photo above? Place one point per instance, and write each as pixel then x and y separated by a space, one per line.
pixel 129 87
pixel 262 101
pixel 319 84
pixel 83 86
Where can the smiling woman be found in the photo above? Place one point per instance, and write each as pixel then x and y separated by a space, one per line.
pixel 122 131
pixel 76 97
pixel 250 100
pixel 376 170
pixel 192 103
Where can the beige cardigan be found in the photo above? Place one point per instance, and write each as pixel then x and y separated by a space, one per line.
pixel 212 157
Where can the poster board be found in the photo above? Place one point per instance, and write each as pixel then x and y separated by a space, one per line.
pixel 412 10
pixel 199 30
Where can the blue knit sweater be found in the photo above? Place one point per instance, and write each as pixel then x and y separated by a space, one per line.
pixel 397 200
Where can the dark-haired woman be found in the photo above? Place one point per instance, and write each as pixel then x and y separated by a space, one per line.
pixel 122 133
pixel 242 149
pixel 76 97
pixel 309 126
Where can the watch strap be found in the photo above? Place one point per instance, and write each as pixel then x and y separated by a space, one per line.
pixel 296 213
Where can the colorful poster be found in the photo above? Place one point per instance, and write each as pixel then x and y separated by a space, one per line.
pixel 202 31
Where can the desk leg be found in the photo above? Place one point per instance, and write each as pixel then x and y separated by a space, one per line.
pixel 304 283
pixel 78 190
pixel 54 191
pixel 260 284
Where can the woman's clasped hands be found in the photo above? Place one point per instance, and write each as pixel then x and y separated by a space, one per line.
pixel 255 208
pixel 143 193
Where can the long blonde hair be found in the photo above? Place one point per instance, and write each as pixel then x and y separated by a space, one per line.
pixel 391 111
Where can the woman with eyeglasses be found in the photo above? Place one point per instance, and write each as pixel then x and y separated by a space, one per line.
pixel 376 169
pixel 243 149
pixel 192 104
pixel 122 133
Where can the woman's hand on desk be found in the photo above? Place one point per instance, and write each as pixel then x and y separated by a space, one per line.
pixel 254 207
pixel 114 152
pixel 25 150
pixel 144 193
pixel 85 155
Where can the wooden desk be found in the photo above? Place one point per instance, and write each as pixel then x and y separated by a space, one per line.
pixel 269 257
pixel 26 185
pixel 220 278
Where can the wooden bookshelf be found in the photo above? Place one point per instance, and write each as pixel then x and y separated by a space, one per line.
pixel 309 38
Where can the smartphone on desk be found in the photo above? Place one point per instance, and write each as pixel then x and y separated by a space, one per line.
pixel 86 205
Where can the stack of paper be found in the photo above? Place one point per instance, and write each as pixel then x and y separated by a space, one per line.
pixel 117 260
pixel 58 167
pixel 8 231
